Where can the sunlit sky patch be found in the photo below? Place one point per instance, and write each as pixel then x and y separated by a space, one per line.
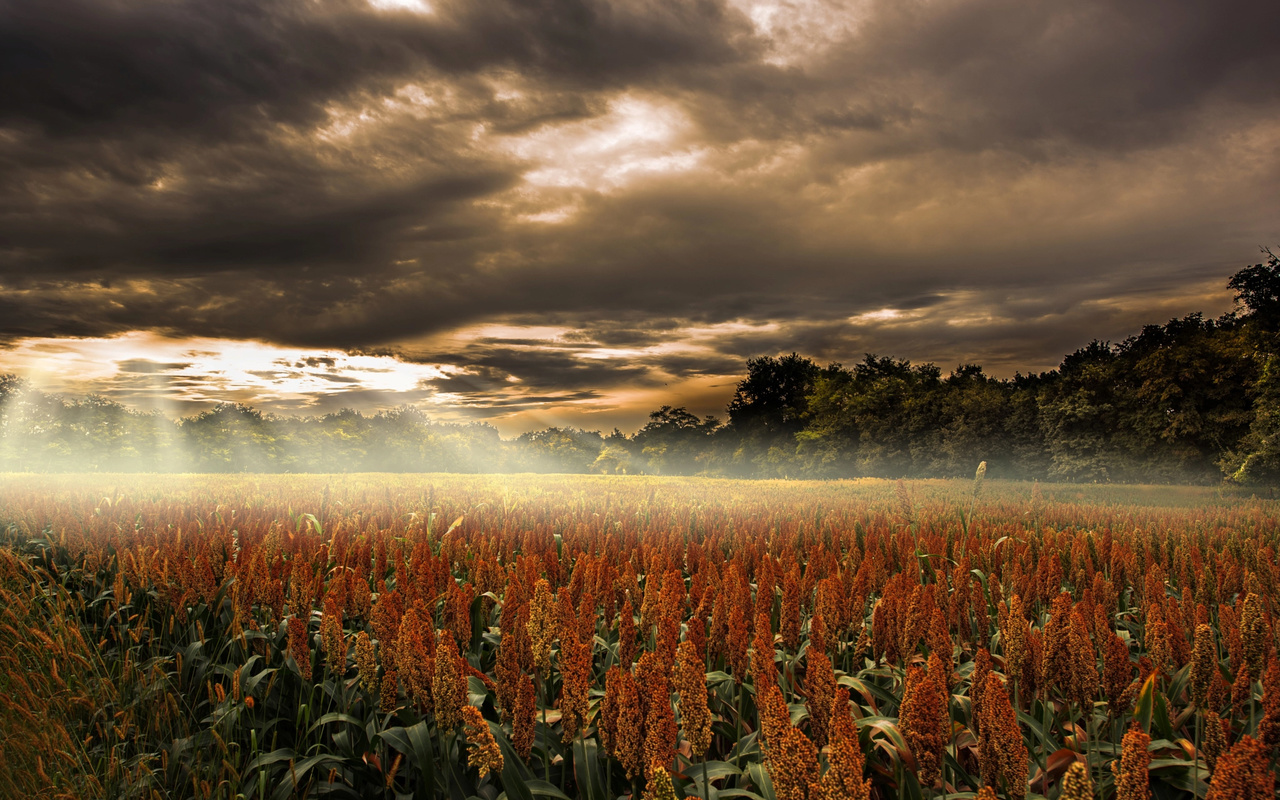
pixel 504 214
pixel 197 373
pixel 418 6
pixel 189 375
pixel 800 30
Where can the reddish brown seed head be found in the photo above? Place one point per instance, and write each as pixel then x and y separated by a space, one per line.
pixel 1132 782
pixel 484 754
pixel 1244 773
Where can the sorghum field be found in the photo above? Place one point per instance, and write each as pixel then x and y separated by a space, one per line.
pixel 455 637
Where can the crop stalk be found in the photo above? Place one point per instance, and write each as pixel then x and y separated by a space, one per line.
pixel 1195 764
pixel 546 749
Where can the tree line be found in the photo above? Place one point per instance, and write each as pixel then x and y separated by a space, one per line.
pixel 1194 400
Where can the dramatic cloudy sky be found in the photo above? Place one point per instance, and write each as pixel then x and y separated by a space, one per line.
pixel 545 212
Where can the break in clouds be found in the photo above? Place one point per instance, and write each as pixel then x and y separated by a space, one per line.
pixel 575 211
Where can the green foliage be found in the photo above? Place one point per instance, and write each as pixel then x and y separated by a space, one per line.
pixel 1257 288
pixel 674 442
pixel 1258 458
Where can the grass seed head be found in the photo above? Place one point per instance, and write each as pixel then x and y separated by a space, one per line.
pixel 1002 753
pixel 1204 663
pixel 1076 784
pixel 922 718
pixel 524 718
pixel 1244 773
pixel 366 663
pixel 1214 738
pixel 575 671
pixel 448 685
pixel 542 625
pixel 484 754
pixel 1132 781
pixel 691 684
pixel 660 786
pixel 843 779
pixel 1254 635
pixel 300 646
pixel 1268 732
pixel 793 764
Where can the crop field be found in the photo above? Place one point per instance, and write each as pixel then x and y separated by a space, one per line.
pixel 376 636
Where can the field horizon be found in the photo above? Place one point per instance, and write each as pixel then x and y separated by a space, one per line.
pixel 1173 494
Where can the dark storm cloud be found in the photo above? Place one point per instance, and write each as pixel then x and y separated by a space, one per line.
pixel 690 365
pixel 142 366
pixel 335 378
pixel 487 369
pixel 1104 74
pixel 78 68
pixel 678 186
pixel 317 405
pixel 505 404
pixel 102 103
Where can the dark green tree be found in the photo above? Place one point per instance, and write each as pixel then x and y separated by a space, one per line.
pixel 233 438
pixel 675 442
pixel 973 412
pixel 1257 459
pixel 1082 411
pixel 772 398
pixel 767 411
pixel 878 419
pixel 1257 288
pixel 558 450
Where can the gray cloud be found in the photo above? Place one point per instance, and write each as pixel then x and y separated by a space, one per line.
pixel 677 186
pixel 142 366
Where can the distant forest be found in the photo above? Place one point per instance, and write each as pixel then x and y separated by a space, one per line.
pixel 1194 400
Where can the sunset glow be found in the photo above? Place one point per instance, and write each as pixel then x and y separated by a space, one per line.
pixel 499 213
